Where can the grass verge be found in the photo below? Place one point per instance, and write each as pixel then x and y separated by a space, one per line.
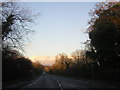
pixel 22 81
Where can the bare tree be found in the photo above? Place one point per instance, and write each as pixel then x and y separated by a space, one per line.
pixel 63 59
pixel 15 21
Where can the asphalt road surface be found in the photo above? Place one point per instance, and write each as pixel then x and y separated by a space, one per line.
pixel 47 81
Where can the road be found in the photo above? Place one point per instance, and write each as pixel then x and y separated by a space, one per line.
pixel 48 81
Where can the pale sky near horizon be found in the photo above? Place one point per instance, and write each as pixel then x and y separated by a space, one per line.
pixel 60 28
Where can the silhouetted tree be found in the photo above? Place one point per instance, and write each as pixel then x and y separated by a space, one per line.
pixel 79 55
pixel 16 66
pixel 15 21
pixel 15 29
pixel 76 55
pixel 104 34
pixel 63 59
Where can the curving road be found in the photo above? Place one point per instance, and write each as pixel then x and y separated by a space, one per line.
pixel 48 81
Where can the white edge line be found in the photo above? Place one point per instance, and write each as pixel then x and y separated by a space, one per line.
pixel 59 85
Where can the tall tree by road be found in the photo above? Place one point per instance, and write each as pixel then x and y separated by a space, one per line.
pixel 104 34
pixel 15 21
pixel 15 29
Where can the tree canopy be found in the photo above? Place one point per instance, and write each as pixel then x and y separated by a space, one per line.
pixel 15 21
pixel 104 33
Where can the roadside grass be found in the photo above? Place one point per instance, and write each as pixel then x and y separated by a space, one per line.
pixel 97 81
pixel 103 82
pixel 20 80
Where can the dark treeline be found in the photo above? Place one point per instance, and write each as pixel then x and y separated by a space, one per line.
pixel 79 65
pixel 101 57
pixel 15 30
pixel 16 67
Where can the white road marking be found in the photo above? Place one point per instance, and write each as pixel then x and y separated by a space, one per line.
pixel 29 85
pixel 32 83
pixel 59 85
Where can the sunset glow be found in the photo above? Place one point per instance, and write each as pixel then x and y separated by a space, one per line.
pixel 45 60
pixel 55 35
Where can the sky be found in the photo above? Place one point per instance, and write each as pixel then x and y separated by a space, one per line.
pixel 60 28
